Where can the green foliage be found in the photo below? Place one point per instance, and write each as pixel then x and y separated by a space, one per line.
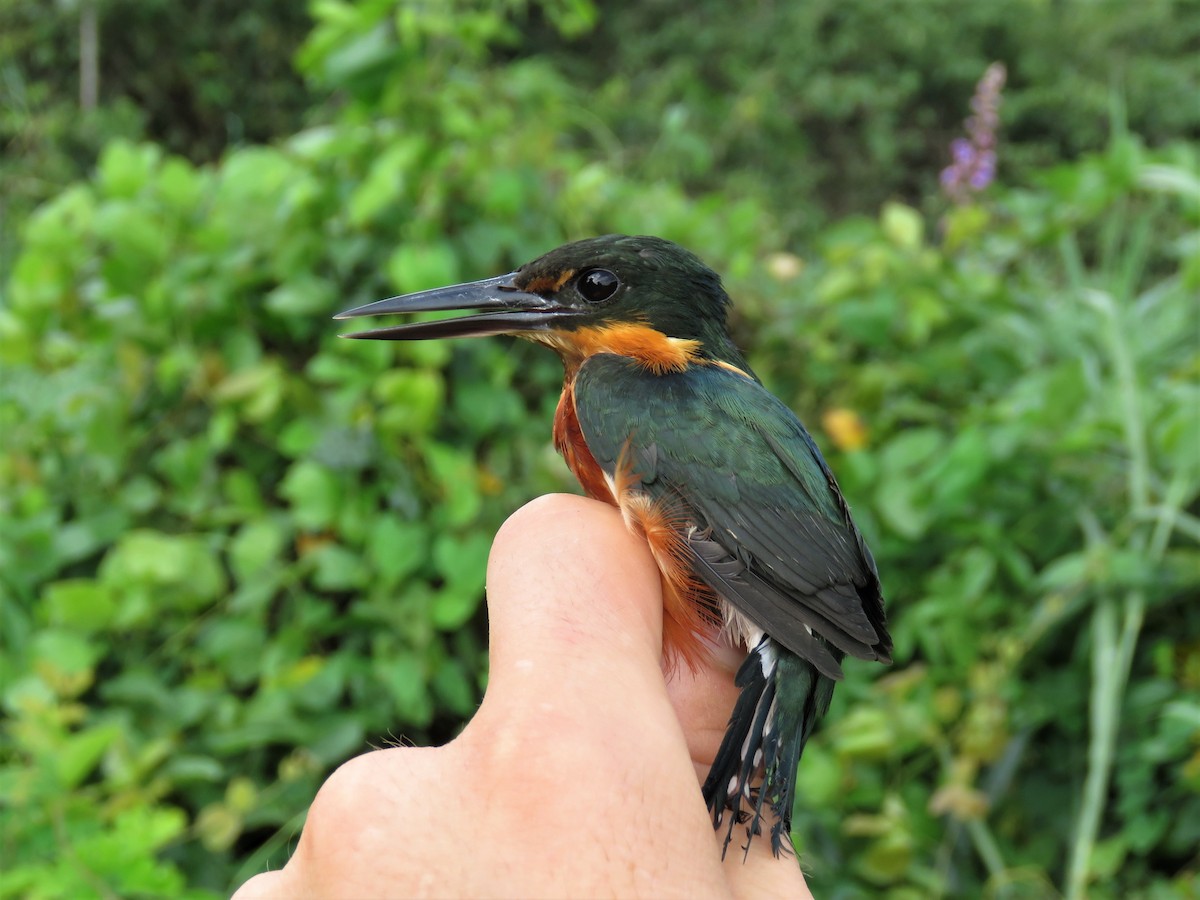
pixel 1029 478
pixel 235 550
pixel 836 106
pixel 194 77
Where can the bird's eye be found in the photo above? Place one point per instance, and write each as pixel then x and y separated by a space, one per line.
pixel 597 285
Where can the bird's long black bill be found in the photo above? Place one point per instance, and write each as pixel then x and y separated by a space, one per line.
pixel 502 308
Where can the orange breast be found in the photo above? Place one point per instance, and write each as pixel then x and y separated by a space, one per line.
pixel 689 607
pixel 568 440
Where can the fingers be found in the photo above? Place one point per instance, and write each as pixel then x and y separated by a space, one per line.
pixel 577 704
pixel 703 699
pixel 575 683
pixel 263 886
pixel 373 831
pixel 573 599
pixel 575 605
pixel 576 726
pixel 574 778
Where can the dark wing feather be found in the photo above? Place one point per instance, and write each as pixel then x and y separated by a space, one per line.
pixel 772 533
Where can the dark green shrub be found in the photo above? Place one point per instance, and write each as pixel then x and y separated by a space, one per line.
pixel 1027 468
pixel 837 106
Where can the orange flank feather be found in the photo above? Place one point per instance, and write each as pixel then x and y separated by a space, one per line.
pixel 568 441
pixel 730 367
pixel 688 606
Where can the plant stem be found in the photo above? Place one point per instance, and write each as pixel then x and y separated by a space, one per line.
pixel 89 56
pixel 1100 746
pixel 986 847
pixel 1112 656
pixel 1125 370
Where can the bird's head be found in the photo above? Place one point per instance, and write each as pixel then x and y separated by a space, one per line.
pixel 642 288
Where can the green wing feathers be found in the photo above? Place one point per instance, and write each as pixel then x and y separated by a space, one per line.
pixel 772 534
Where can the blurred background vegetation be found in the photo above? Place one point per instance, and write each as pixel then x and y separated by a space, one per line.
pixel 235 551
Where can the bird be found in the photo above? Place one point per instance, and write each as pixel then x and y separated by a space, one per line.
pixel 662 417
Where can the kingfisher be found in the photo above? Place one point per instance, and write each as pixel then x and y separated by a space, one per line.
pixel 662 417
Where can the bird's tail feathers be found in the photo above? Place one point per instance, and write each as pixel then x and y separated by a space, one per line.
pixel 782 697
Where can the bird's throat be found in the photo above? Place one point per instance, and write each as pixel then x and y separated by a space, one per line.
pixel 646 346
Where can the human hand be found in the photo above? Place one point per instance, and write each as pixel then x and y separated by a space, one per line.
pixel 578 775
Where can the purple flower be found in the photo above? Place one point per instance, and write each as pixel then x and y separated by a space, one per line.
pixel 984 170
pixel 962 151
pixel 973 158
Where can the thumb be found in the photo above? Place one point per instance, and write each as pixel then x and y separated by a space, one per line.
pixel 574 601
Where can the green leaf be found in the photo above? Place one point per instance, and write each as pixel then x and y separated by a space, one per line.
pixel 957 473
pixel 180 570
pixel 484 407
pixel 412 400
pixel 126 852
pixel 65 652
pixel 819 776
pixel 298 438
pixel 978 568
pixel 180 185
pixel 865 732
pixel 386 180
pixel 406 680
pixel 902 504
pixel 419 266
pixel 302 296
pixel 79 603
pixel 218 826
pixel 125 168
pixel 888 858
pixel 462 562
pixel 453 687
pixel 138 246
pixel 257 546
pixel 459 484
pixel 338 569
pixel 1065 572
pixel 396 549
pixel 258 388
pixel 1170 180
pixel 314 494
pixel 902 225
pixel 915 449
pixel 79 754
pixel 360 55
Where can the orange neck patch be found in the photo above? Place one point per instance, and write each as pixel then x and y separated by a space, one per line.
pixel 652 349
